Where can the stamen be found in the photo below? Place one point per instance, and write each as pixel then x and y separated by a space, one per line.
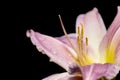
pixel 80 44
pixel 82 50
pixel 79 50
pixel 86 41
pixel 86 51
pixel 78 30
pixel 66 34
pixel 82 31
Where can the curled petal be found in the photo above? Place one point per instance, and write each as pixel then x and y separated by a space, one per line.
pixel 112 71
pixel 110 44
pixel 53 48
pixel 96 71
pixel 94 28
pixel 63 76
pixel 74 69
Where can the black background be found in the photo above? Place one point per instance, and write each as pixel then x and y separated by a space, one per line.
pixel 26 62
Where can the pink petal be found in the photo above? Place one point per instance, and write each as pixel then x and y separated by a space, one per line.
pixel 112 38
pixel 112 71
pixel 56 50
pixel 94 27
pixel 117 61
pixel 96 71
pixel 63 76
pixel 116 43
pixel 72 38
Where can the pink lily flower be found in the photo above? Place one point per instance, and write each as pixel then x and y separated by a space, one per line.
pixel 89 54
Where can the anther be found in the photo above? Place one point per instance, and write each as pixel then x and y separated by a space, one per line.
pixel 86 41
pixel 82 30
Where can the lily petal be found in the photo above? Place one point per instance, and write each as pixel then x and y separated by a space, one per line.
pixel 63 76
pixel 110 45
pixel 117 60
pixel 94 28
pixel 96 71
pixel 112 71
pixel 72 37
pixel 56 50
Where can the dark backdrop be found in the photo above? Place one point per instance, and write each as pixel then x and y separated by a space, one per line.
pixel 41 16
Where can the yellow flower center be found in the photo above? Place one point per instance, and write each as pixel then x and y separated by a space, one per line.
pixel 110 54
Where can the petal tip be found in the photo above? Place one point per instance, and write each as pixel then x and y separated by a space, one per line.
pixel 95 9
pixel 28 33
pixel 118 8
